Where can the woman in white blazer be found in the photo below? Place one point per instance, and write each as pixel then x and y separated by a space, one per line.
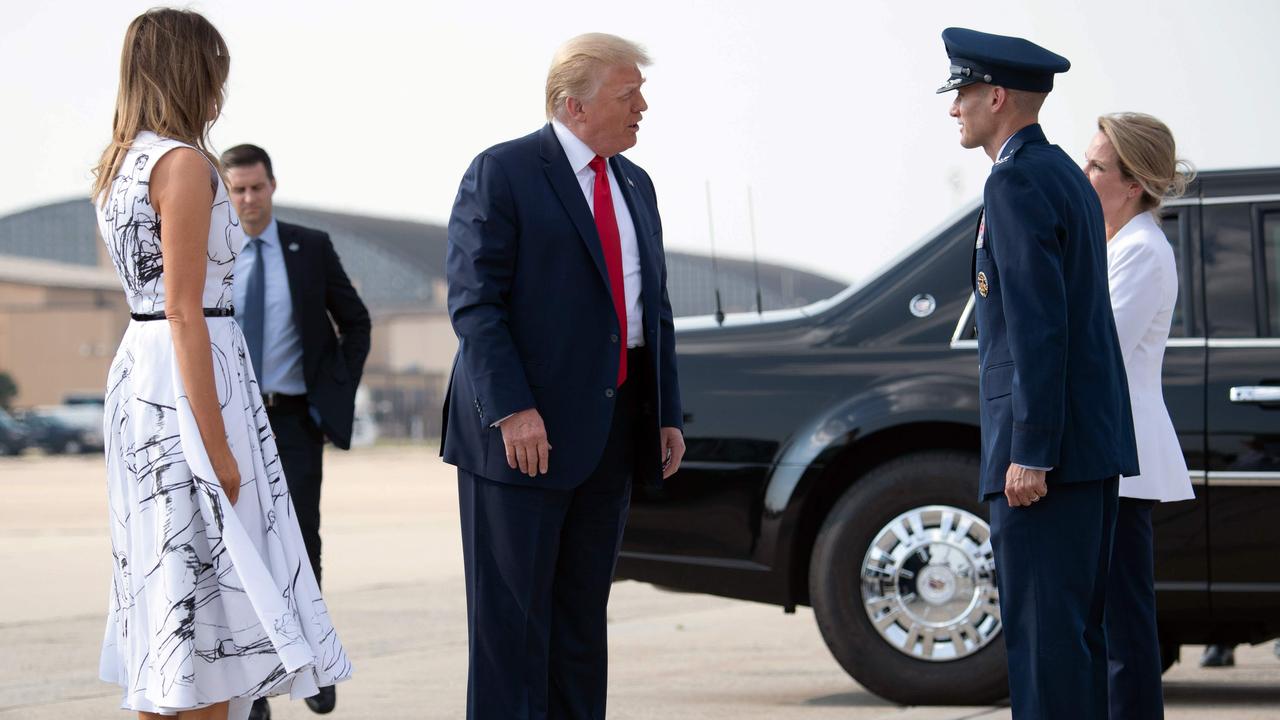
pixel 1132 165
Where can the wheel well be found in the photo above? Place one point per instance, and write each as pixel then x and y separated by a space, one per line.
pixel 852 463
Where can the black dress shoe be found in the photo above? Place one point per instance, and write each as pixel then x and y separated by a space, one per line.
pixel 260 710
pixel 1218 656
pixel 322 702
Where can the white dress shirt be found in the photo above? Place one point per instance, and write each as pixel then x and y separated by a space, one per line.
pixel 580 157
pixel 1144 290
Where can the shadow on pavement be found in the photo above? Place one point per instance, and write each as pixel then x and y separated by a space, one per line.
pixel 849 699
pixel 1188 693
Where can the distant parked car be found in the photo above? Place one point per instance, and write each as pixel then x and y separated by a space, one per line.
pixel 95 398
pixel 13 439
pixel 55 435
pixel 83 417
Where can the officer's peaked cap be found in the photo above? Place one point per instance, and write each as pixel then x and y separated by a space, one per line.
pixel 1002 60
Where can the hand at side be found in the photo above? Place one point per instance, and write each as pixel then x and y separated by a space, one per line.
pixel 672 451
pixel 228 473
pixel 1023 486
pixel 525 438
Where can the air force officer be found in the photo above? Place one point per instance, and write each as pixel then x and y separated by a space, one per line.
pixel 1056 423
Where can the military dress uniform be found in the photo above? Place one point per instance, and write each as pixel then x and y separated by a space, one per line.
pixel 1054 394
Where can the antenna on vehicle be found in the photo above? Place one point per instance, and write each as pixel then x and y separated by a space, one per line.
pixel 755 258
pixel 715 270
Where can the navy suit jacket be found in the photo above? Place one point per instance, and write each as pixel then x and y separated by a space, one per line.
pixel 529 300
pixel 1053 385
pixel 322 298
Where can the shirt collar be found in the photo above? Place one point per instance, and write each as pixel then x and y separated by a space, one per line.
pixel 1003 146
pixel 577 152
pixel 271 235
pixel 1028 134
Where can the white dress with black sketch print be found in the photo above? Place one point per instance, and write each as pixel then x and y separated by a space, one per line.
pixel 209 602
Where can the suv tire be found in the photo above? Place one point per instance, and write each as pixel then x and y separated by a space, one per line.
pixel 937 491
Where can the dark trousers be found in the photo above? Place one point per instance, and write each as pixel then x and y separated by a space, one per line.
pixel 1052 560
pixel 301 446
pixel 539 565
pixel 1133 643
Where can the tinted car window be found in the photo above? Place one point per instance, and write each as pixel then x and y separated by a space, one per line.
pixel 1228 271
pixel 1171 224
pixel 1271 255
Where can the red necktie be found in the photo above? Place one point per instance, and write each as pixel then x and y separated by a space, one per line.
pixel 611 244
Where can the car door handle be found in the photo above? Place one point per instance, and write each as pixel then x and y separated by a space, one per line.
pixel 1255 394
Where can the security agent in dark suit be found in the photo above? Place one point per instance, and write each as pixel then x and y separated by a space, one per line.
pixel 290 291
pixel 1056 423
pixel 564 388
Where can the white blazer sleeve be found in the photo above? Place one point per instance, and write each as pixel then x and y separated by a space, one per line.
pixel 1133 275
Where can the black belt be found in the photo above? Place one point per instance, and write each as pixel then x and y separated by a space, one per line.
pixel 280 401
pixel 208 312
pixel 636 358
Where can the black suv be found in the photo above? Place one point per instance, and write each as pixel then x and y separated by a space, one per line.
pixel 833 456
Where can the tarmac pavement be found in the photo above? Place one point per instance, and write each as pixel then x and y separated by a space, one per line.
pixel 393 574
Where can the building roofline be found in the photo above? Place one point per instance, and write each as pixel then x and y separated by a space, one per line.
pixel 50 273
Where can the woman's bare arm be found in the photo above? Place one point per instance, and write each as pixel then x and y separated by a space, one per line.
pixel 182 192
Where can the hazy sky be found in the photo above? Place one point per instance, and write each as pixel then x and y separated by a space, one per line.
pixel 826 110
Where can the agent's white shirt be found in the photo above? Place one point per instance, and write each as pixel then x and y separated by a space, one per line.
pixel 1144 291
pixel 580 157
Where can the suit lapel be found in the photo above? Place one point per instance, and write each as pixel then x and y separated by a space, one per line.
pixel 565 184
pixel 292 265
pixel 977 238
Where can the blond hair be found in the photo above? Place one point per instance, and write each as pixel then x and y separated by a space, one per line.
pixel 1147 155
pixel 575 68
pixel 173 70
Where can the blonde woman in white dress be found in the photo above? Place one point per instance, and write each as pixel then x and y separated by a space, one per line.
pixel 213 601
pixel 1133 166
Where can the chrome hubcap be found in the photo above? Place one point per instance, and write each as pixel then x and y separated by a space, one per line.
pixel 929 584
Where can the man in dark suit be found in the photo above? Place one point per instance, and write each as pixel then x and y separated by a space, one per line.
pixel 1056 423
pixel 290 291
pixel 564 388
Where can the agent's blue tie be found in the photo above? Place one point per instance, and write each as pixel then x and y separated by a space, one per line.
pixel 255 301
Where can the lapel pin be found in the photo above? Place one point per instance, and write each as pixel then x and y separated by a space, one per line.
pixel 293 247
pixel 631 182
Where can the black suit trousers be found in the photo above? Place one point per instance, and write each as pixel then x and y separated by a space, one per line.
pixel 301 446
pixel 1133 640
pixel 539 565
